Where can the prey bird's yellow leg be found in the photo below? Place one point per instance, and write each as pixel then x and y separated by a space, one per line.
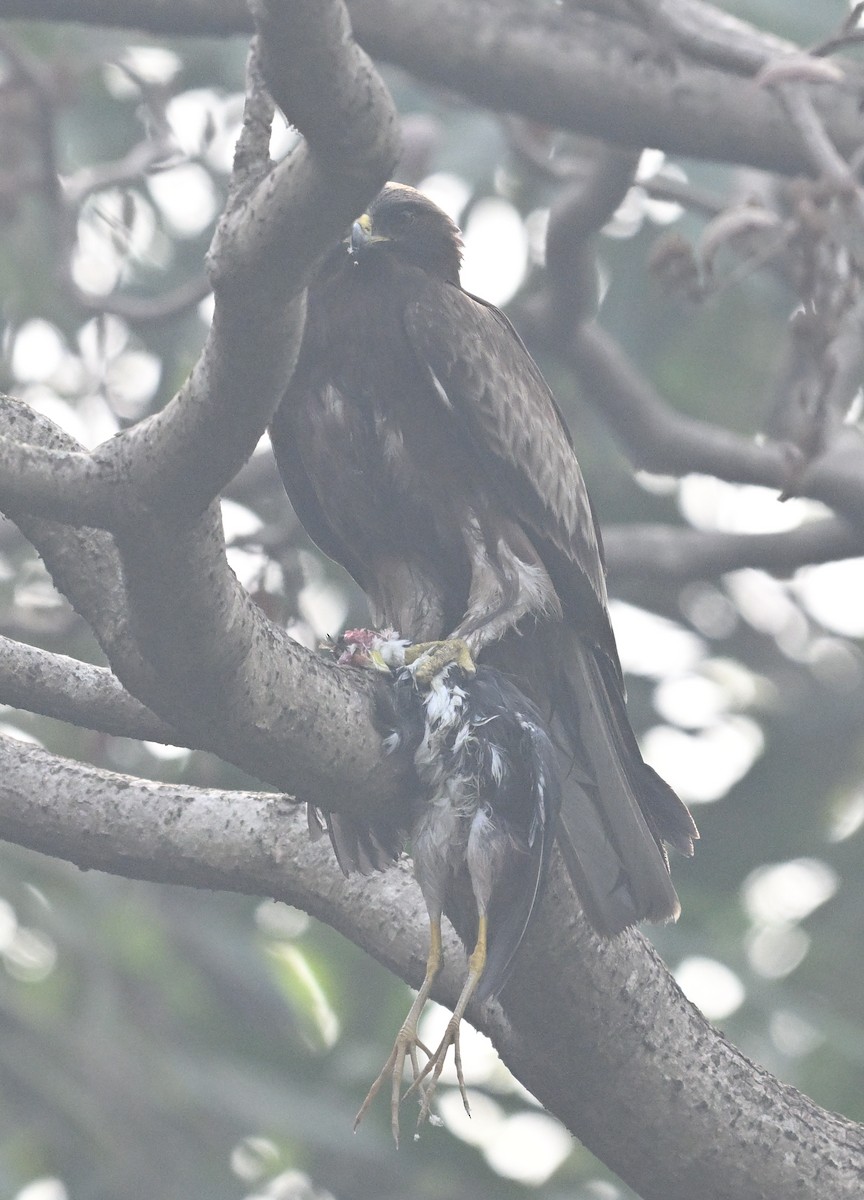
pixel 435 1065
pixel 407 1040
pixel 428 658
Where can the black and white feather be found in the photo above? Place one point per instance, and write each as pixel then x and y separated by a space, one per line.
pixel 481 823
pixel 483 830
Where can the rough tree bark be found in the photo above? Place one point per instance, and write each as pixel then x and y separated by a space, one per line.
pixel 131 535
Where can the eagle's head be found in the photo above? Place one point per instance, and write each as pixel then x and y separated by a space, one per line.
pixel 404 224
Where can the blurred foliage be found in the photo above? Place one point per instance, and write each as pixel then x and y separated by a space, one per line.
pixel 157 1042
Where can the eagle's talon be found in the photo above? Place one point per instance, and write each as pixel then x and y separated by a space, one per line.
pixel 427 659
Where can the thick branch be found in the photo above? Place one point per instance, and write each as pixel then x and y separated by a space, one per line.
pixel 566 68
pixel 185 639
pixel 608 1043
pixel 67 689
pixel 654 437
pixel 268 241
pixel 664 554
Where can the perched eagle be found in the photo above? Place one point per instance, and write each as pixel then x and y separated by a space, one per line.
pixel 423 450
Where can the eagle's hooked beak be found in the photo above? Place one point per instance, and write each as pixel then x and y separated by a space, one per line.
pixel 362 236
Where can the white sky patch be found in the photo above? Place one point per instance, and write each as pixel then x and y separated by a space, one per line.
pixel 764 603
pixel 8 924
pixel 484 1124
pixel 530 1147
pixel 536 227
pixel 90 421
pixel 303 633
pixel 167 753
pixel 248 564
pixel 699 699
pixel 106 367
pixel 12 731
pixel 31 956
pixel 496 250
pixel 775 951
pixel 255 1158
pixel 206 309
pixel 37 351
pixel 279 920
pixel 194 117
pixel 153 64
pixel 238 521
pixel 448 191
pixel 708 609
pixel 131 380
pixel 102 338
pixel 703 766
pixel 656 485
pixel 691 701
pixel 96 265
pixel 653 646
pixel 186 198
pixel 833 594
pixel 601 1189
pixel 785 893
pixel 33 588
pixel 323 607
pixel 219 152
pixel 711 986
pixel 792 1035
pixel 283 137
pixel 848 818
pixel 638 205
pixel 46 1188
pixel 710 503
pixel 116 228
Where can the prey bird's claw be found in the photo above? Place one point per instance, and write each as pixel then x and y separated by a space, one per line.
pixel 432 1073
pixel 406 1046
pixel 426 1078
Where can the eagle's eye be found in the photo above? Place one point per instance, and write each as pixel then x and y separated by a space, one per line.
pixel 403 219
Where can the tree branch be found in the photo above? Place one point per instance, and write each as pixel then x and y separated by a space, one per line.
pixel 566 68
pixel 67 689
pixel 653 436
pixel 194 647
pixel 608 1043
pixel 670 556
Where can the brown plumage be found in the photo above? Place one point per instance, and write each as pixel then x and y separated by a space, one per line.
pixel 423 450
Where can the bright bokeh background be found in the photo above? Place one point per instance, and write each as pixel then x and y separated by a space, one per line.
pixel 160 1042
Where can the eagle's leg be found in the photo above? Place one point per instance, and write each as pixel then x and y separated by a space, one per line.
pixel 428 659
pixel 407 1040
pixel 506 585
pixel 435 1065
